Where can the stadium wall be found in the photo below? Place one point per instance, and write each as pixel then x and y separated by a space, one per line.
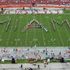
pixel 33 11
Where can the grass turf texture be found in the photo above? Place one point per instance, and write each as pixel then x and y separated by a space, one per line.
pixel 27 61
pixel 11 30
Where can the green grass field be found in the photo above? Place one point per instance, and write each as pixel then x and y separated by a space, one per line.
pixel 12 26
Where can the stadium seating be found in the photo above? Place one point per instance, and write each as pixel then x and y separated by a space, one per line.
pixel 35 1
pixel 34 53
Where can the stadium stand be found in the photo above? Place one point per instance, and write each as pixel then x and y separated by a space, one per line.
pixel 33 53
pixel 35 1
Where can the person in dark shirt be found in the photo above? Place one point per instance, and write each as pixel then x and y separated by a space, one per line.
pixel 30 69
pixel 21 67
pixel 13 60
pixel 38 66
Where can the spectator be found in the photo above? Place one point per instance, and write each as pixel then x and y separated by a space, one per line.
pixel 48 60
pixel 38 66
pixel 13 60
pixel 62 60
pixel 21 67
pixel 30 69
pixel 44 63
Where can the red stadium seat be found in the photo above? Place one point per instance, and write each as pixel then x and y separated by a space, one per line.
pixel 60 2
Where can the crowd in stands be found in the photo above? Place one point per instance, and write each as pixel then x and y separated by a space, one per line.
pixel 33 53
pixel 40 53
pixel 35 2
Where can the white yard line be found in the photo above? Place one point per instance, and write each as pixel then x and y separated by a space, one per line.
pixel 43 38
pixel 26 38
pixel 34 37
pixel 2 33
pixel 60 37
pixel 9 35
pixel 17 23
pixel 67 33
pixel 51 34
pixel 10 31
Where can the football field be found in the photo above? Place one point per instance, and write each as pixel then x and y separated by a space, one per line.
pixel 13 30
